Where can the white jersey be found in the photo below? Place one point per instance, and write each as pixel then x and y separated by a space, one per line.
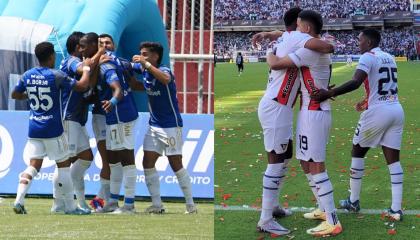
pixel 283 85
pixel 316 73
pixel 381 83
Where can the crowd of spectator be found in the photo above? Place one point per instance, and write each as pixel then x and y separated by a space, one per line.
pixel 274 9
pixel 398 42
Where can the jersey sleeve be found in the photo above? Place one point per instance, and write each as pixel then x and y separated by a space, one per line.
pixel 136 68
pixel 20 86
pixel 299 39
pixel 62 80
pixel 167 71
pixel 304 57
pixel 73 64
pixel 365 63
pixel 108 71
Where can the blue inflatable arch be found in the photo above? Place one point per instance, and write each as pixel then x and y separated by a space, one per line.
pixel 129 22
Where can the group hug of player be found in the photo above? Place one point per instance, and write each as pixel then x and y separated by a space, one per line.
pixel 300 63
pixel 59 102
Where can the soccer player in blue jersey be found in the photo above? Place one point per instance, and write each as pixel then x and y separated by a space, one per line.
pixel 43 86
pixel 75 114
pixel 164 135
pixel 121 115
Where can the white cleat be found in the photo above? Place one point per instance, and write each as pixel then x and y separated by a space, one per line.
pixel 124 210
pixel 58 207
pixel 191 208
pixel 155 209
pixel 109 207
pixel 273 227
pixel 83 205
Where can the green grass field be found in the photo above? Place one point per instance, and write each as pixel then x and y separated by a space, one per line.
pixel 241 160
pixel 39 223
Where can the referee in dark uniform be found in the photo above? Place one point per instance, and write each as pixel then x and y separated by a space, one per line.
pixel 240 63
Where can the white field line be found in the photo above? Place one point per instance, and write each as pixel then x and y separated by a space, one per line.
pixel 304 209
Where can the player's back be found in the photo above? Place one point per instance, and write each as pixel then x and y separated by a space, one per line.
pixel 44 86
pixel 381 83
pixel 283 85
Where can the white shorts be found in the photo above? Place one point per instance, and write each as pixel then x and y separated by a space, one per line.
pixel 56 149
pixel 277 124
pixel 165 141
pixel 120 136
pixel 77 137
pixel 312 133
pixel 99 126
pixel 380 125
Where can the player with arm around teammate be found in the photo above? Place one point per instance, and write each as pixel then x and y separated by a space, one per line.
pixel 42 86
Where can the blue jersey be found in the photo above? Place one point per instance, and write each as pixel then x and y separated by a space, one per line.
pixel 163 104
pixel 125 110
pixel 128 71
pixel 74 105
pixel 44 88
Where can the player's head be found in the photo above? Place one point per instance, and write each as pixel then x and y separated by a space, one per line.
pixel 72 44
pixel 89 44
pixel 45 54
pixel 152 51
pixel 107 41
pixel 239 53
pixel 290 18
pixel 368 39
pixel 310 22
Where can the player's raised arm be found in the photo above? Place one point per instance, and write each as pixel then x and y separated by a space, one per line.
pixel 160 75
pixel 321 46
pixel 84 82
pixel 19 93
pixel 259 37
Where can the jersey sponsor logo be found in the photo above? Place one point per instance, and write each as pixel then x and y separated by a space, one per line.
pixel 389 98
pixel 7 150
pixel 153 93
pixel 41 118
pixel 287 85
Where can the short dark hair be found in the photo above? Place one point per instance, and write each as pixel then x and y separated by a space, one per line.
pixel 314 18
pixel 153 47
pixel 373 35
pixel 104 35
pixel 91 37
pixel 43 51
pixel 73 40
pixel 291 15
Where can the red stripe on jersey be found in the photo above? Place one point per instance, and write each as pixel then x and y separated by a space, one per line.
pixel 367 89
pixel 309 82
pixel 286 87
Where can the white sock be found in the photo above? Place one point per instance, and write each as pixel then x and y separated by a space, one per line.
pixel 104 191
pixel 153 185
pixel 356 174
pixel 22 187
pixel 115 182
pixel 281 183
pixel 271 180
pixel 396 172
pixel 314 191
pixel 185 184
pixel 64 187
pixel 78 170
pixel 326 196
pixel 130 175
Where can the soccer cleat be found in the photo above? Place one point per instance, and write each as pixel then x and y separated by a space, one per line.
pixel 279 212
pixel 325 229
pixel 350 206
pixel 78 211
pixel 155 209
pixel 394 215
pixel 315 214
pixel 109 207
pixel 191 208
pixel 273 227
pixel 97 203
pixel 124 210
pixel 19 209
pixel 83 205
